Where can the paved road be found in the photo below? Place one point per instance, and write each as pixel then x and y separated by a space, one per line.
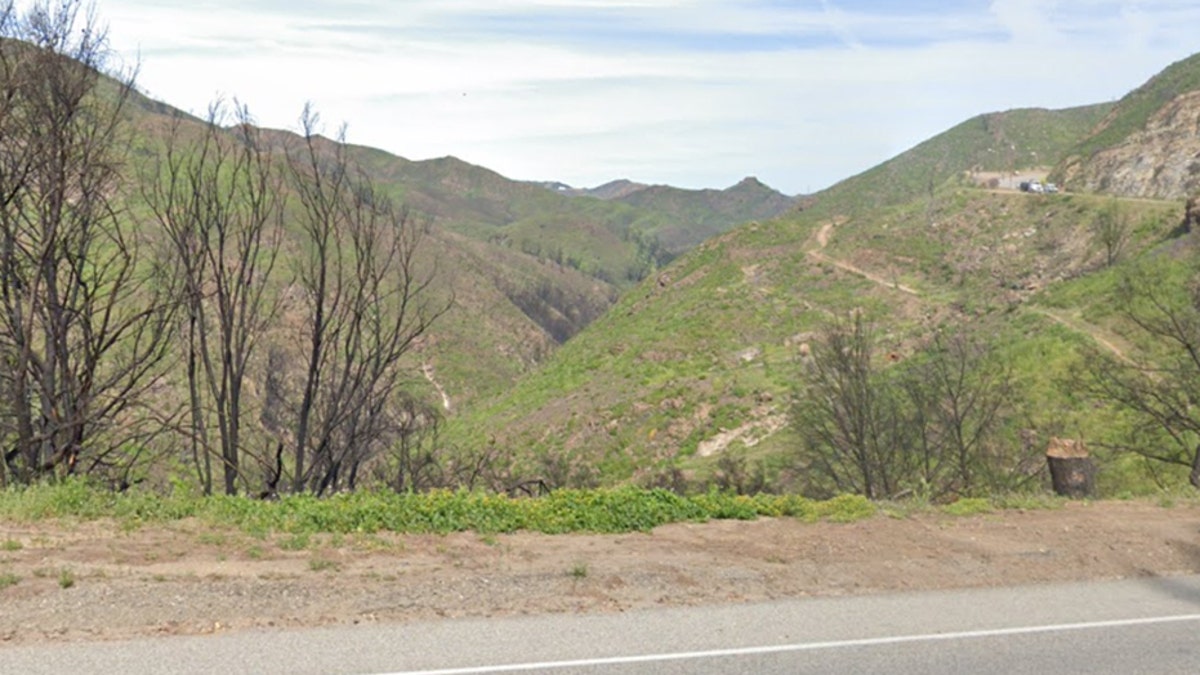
pixel 1133 626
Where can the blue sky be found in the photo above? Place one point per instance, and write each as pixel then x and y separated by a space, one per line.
pixel 694 93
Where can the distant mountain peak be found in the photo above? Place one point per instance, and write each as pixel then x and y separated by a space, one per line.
pixel 750 183
pixel 615 189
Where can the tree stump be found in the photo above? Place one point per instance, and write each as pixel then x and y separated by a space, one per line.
pixel 1191 214
pixel 1072 472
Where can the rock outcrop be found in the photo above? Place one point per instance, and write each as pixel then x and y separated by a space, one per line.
pixel 1161 161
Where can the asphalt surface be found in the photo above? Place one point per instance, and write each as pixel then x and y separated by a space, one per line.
pixel 1131 626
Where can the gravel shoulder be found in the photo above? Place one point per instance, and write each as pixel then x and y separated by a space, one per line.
pixel 96 581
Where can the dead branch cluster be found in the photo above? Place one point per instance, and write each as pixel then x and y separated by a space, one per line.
pixel 240 311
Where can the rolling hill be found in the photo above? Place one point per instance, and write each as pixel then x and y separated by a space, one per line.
pixel 528 268
pixel 691 215
pixel 994 142
pixel 699 363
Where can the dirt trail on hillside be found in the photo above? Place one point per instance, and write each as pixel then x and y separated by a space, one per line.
pixel 1087 329
pixel 97 581
pixel 427 371
pixel 818 253
pixel 1100 336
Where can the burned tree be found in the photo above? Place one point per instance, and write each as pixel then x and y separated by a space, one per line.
pixel 216 196
pixel 367 299
pixel 846 420
pixel 960 399
pixel 932 425
pixel 84 320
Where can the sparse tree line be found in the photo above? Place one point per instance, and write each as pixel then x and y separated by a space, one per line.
pixel 941 423
pixel 119 291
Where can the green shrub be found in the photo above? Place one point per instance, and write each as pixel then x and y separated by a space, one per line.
pixel 968 507
pixel 846 508
pixel 606 510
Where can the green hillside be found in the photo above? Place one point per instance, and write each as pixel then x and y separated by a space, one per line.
pixel 528 268
pixel 618 241
pixel 183 298
pixel 671 374
pixel 700 363
pixel 707 346
pixel 696 215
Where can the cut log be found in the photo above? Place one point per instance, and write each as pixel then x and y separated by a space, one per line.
pixel 1072 472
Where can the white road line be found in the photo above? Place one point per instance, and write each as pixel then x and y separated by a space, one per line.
pixel 804 647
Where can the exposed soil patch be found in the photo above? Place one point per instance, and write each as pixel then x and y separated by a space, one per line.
pixel 763 424
pixel 185 578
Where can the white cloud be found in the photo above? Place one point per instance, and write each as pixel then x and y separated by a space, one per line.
pixel 691 92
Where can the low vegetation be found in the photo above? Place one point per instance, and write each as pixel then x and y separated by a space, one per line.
pixel 625 509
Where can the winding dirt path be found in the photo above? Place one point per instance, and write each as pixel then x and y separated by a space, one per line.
pixel 1094 332
pixel 818 253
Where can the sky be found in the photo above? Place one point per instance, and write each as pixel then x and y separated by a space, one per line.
pixel 692 93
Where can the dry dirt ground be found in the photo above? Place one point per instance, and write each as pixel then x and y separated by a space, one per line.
pixel 95 581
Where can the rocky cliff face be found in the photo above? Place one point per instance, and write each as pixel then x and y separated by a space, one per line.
pixel 1161 161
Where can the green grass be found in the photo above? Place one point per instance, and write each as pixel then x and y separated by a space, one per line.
pixel 8 579
pixel 968 507
pixel 623 509
pixel 296 542
pixel 971 506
